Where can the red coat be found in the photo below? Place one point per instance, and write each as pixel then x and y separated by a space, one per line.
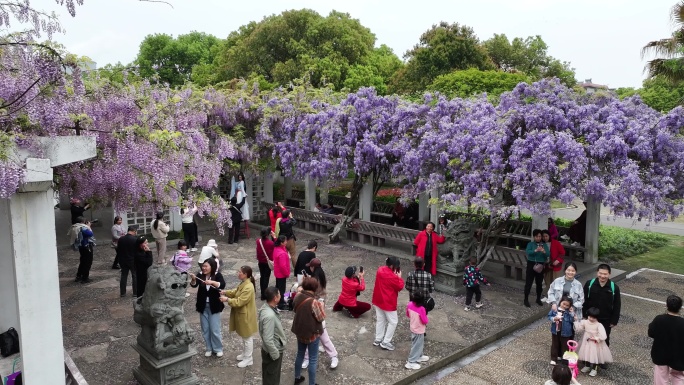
pixel 557 253
pixel 387 288
pixel 273 219
pixel 349 288
pixel 281 262
pixel 420 241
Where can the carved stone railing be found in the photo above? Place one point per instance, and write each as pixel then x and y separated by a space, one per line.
pixel 377 233
pixel 511 259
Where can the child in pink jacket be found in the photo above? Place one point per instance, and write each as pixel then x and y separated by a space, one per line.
pixel 418 319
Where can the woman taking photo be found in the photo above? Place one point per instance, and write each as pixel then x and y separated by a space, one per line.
pixel 352 286
pixel 567 286
pixel 189 226
pixel 160 231
pixel 537 255
pixel 142 261
pixel 118 231
pixel 281 268
pixel 315 271
pixel 243 317
pixel 209 305
pixel 275 213
pixel 264 255
pixel 287 229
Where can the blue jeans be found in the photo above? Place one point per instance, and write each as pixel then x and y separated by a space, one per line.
pixel 211 330
pixel 313 359
pixel 417 344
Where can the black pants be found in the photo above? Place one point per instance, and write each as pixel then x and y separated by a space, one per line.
pixel 190 234
pixel 125 268
pixel 559 345
pixel 531 275
pixel 265 273
pixel 141 278
pixel 280 284
pixel 469 294
pixel 85 262
pixel 116 259
pixel 606 325
pixel 270 369
pixel 234 232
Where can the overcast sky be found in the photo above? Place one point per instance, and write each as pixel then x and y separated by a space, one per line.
pixel 601 38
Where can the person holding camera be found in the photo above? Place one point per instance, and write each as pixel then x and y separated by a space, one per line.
pixel 306 256
pixel 286 228
pixel 537 255
pixel 388 284
pixel 352 286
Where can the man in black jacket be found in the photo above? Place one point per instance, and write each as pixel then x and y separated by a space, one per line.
pixel 236 218
pixel 125 253
pixel 667 352
pixel 603 294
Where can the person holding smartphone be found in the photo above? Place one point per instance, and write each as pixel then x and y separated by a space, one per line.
pixel 388 284
pixel 352 285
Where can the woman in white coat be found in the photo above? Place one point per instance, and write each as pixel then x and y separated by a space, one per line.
pixel 567 285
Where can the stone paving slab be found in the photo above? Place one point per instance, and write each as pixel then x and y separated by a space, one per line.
pixel 525 359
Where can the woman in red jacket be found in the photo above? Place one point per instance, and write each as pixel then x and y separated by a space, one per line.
pixel 281 268
pixel 275 213
pixel 388 284
pixel 352 285
pixel 557 252
pixel 426 241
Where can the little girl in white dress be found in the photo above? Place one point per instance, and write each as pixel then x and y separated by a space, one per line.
pixel 593 348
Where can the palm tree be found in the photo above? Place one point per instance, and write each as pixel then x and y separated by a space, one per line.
pixel 670 51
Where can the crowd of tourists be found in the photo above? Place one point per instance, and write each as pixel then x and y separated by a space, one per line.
pixel 592 308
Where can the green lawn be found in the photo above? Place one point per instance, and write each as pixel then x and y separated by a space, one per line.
pixel 668 258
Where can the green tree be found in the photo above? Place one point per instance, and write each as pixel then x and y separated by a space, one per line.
pixel 529 56
pixel 173 59
pixel 660 94
pixel 441 49
pixel 297 44
pixel 670 63
pixel 473 82
pixel 381 65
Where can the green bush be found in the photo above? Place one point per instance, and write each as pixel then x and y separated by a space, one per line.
pixel 617 243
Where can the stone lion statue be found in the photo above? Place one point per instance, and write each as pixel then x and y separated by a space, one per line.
pixel 459 246
pixel 160 313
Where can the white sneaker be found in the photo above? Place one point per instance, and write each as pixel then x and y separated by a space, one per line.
pixel 219 354
pixel 387 346
pixel 239 357
pixel 305 364
pixel 334 362
pixel 423 359
pixel 321 349
pixel 593 373
pixel 467 308
pixel 586 369
pixel 207 354
pixel 245 363
pixel 377 343
pixel 412 366
pixel 553 362
pixel 478 305
pixel 193 249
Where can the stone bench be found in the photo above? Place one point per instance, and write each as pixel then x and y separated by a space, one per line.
pixel 511 259
pixel 519 233
pixel 377 233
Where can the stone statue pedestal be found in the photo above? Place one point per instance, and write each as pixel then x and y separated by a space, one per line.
pixel 449 281
pixel 175 370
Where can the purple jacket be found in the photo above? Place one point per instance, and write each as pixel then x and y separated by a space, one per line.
pixel 181 261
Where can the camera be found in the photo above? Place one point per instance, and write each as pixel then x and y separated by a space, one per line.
pixel 360 269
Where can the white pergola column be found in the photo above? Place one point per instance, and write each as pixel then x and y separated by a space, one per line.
pixel 29 274
pixel 268 187
pixel 435 208
pixel 309 193
pixel 366 200
pixel 325 190
pixel 540 222
pixel 423 210
pixel 592 231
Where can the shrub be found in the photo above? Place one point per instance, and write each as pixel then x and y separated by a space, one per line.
pixel 617 243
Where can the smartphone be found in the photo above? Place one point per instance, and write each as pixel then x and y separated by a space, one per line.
pixel 360 269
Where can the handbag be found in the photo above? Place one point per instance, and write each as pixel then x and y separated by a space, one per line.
pixel 538 268
pixel 429 302
pixel 9 342
pixel 270 263
pixel 15 377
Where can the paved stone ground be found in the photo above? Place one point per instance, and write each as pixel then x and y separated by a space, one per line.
pixel 524 360
pixel 99 329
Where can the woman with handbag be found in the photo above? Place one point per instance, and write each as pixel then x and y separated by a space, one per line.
pixel 243 313
pixel 420 281
pixel 264 255
pixel 537 255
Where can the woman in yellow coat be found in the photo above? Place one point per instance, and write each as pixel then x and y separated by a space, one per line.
pixel 243 313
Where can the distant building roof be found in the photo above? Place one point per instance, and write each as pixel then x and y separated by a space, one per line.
pixel 587 84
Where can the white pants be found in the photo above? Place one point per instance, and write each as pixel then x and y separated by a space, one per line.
pixel 300 278
pixel 327 345
pixel 248 348
pixel 385 320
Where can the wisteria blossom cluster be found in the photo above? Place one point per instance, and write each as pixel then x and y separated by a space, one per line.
pixel 541 142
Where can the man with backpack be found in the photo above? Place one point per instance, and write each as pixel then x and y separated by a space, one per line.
pixel 603 294
pixel 125 253
pixel 82 239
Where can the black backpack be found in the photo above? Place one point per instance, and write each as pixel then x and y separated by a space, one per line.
pixel 9 342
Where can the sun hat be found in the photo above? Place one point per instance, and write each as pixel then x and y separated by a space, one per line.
pixel 212 243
